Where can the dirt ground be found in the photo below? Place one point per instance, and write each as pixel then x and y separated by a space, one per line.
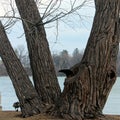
pixel 12 115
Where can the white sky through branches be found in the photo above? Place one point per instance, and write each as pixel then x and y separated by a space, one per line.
pixel 72 32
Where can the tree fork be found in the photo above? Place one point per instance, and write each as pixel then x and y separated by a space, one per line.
pixel 44 76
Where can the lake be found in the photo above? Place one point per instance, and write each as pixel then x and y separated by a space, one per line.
pixel 8 96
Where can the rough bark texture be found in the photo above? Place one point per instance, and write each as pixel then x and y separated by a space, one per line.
pixel 86 91
pixel 28 97
pixel 44 75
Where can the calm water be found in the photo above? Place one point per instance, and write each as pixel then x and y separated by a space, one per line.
pixel 8 96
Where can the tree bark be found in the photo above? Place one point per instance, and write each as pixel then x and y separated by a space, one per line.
pixel 44 76
pixel 87 89
pixel 28 97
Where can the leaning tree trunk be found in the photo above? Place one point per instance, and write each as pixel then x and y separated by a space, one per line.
pixel 86 91
pixel 43 70
pixel 28 97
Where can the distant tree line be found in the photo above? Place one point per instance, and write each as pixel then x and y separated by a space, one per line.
pixel 62 60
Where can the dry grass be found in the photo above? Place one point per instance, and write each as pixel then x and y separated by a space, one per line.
pixel 12 115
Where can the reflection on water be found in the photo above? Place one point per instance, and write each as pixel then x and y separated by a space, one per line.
pixel 8 96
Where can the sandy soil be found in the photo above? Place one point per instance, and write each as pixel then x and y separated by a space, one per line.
pixel 12 115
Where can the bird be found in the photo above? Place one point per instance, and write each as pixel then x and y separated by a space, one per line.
pixel 16 105
pixel 67 72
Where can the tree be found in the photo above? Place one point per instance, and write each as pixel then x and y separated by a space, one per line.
pixel 3 71
pixel 76 57
pixel 27 95
pixel 44 76
pixel 56 60
pixel 64 59
pixel 22 55
pixel 86 92
pixel 118 64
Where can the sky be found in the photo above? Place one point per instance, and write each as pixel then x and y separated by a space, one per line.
pixel 73 32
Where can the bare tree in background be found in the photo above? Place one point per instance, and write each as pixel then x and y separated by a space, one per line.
pixel 76 56
pixel 22 55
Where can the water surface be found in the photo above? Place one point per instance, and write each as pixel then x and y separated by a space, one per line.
pixel 8 96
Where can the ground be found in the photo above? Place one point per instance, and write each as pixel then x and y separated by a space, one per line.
pixel 12 115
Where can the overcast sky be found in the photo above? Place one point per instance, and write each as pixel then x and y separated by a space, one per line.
pixel 72 35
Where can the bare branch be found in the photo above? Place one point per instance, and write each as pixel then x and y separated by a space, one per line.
pixel 50 11
pixel 57 12
pixel 9 14
pixel 47 8
pixel 53 9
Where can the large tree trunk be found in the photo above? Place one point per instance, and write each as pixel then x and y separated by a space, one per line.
pixel 44 75
pixel 28 97
pixel 87 89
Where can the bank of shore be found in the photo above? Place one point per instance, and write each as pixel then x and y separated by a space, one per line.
pixel 12 115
